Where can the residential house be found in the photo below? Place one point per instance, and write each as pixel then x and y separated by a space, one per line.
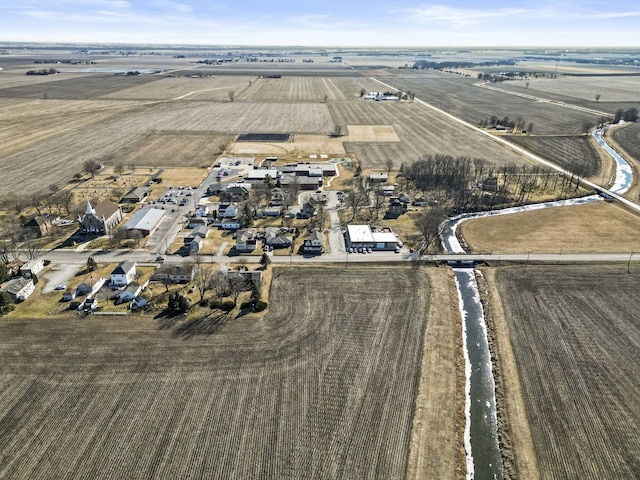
pixel 235 193
pixel 91 284
pixel 246 240
pixel 248 275
pixel 19 288
pixel 307 211
pixel 275 239
pixel 123 274
pixel 102 219
pixel 202 210
pixel 395 208
pixel 40 225
pixel 195 245
pixel 138 303
pixel 227 210
pixel 195 222
pixel 174 273
pixel 69 295
pixel 277 197
pixel 378 177
pixel 200 231
pixel 131 291
pixel 32 267
pixel 313 244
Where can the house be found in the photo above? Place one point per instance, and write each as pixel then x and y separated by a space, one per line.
pixel 145 221
pixel 91 284
pixel 19 288
pixel 313 245
pixel 230 224
pixel 102 219
pixel 32 267
pixel 200 231
pixel 195 222
pixel 131 291
pixel 277 197
pixel 378 177
pixel 69 295
pixel 216 189
pixel 40 225
pixel 308 210
pixel 272 212
pixel 395 208
pixel 138 303
pixel 235 193
pixel 174 273
pixel 387 190
pixel 123 274
pixel 135 195
pixel 248 275
pixel 195 245
pixel 227 210
pixel 202 210
pixel 275 240
pixel 246 241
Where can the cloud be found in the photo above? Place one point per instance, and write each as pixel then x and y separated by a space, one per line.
pixel 459 16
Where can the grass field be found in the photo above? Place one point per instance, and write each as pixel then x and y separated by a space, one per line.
pixel 322 387
pixel 575 334
pixel 595 227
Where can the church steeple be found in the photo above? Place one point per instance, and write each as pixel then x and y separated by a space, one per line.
pixel 89 209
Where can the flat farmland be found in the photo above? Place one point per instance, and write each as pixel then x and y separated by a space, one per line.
pixel 322 387
pixel 612 88
pixel 459 97
pixel 176 149
pixel 628 138
pixel 306 89
pixel 9 79
pixel 215 88
pixel 575 333
pixel 598 227
pixel 77 87
pixel 65 146
pixel 421 131
pixel 573 153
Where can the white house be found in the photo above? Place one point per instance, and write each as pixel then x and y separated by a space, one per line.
pixel 129 293
pixel 32 267
pixel 20 288
pixel 123 274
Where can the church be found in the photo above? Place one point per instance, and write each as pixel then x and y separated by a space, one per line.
pixel 102 219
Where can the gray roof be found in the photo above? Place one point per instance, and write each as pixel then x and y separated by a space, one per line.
pixel 123 267
pixel 145 219
pixel 14 286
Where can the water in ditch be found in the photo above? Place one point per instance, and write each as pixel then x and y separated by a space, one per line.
pixel 484 460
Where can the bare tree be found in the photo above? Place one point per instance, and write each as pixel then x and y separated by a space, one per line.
pixel 118 169
pixel 237 284
pixel 202 279
pixel 427 224
pixel 389 164
pixel 338 130
pixel 598 97
pixel 91 167
pixel 232 95
pixel 324 98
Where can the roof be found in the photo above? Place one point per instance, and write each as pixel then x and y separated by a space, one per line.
pixel 123 267
pixel 169 269
pixel 261 173
pixel 360 233
pixel 136 192
pixel 92 279
pixel 14 286
pixel 132 288
pixel 384 237
pixel 106 209
pixel 38 220
pixel 145 219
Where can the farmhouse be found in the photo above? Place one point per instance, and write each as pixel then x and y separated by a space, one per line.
pixel 365 236
pixel 32 267
pixel 174 273
pixel 135 195
pixel 19 288
pixel 145 221
pixel 123 274
pixel 102 219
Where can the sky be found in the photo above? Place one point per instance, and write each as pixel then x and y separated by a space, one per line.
pixel 390 23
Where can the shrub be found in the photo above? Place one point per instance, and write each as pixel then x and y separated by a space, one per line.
pixel 215 304
pixel 228 305
pixel 260 305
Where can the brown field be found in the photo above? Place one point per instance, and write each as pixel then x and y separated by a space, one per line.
pixel 628 137
pixel 459 97
pixel 306 89
pixel 303 145
pixel 322 387
pixel 573 153
pixel 215 88
pixel 575 334
pixel 597 227
pixel 421 131
pixel 371 133
pixel 175 149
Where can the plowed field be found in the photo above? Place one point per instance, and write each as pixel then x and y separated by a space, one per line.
pixel 576 336
pixel 323 387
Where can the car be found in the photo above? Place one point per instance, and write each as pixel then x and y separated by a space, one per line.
pixel 60 287
pixel 359 249
pixel 159 258
pixel 397 250
pixel 369 250
pixel 350 250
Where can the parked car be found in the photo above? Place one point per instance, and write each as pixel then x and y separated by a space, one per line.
pixel 60 287
pixel 369 250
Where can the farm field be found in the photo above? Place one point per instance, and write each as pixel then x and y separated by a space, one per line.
pixel 306 89
pixel 599 227
pixel 628 138
pixel 575 334
pixel 421 131
pixel 322 387
pixel 459 97
pixel 573 153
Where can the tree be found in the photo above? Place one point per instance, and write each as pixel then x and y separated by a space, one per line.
pixel 427 224
pixel 5 274
pixel 118 169
pixel 91 167
pixel 324 98
pixel 202 279
pixel 91 264
pixel 630 115
pixel 53 188
pixel 237 285
pixel 586 127
pixel 177 303
pixel 231 94
pixel 6 303
pixel 362 92
pixel 389 164
pixel 65 199
pixel 598 97
pixel 337 130
pixel 265 260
